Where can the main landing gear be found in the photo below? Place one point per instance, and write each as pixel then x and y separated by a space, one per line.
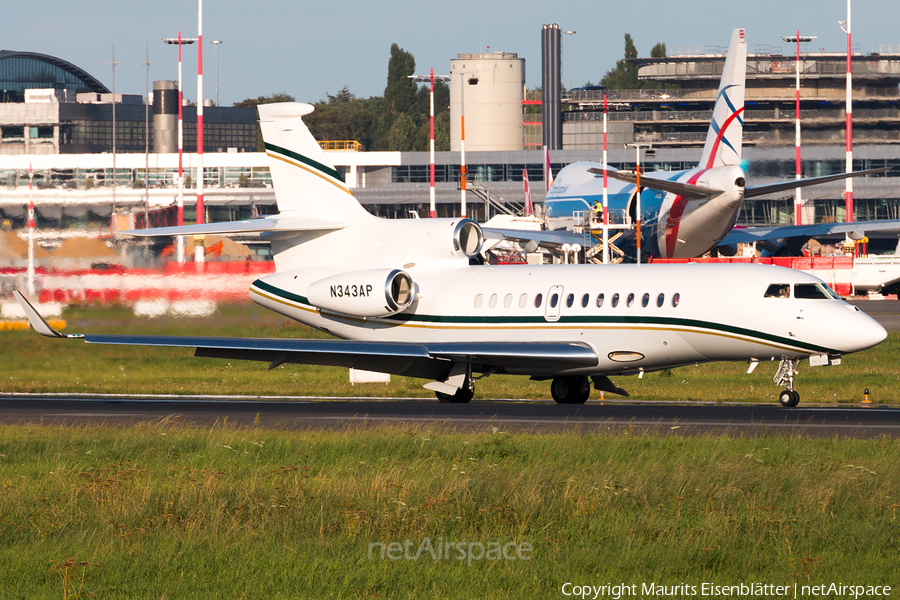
pixel 462 395
pixel 785 378
pixel 574 389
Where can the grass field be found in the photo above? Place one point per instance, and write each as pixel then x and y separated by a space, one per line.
pixel 167 511
pixel 171 512
pixel 30 363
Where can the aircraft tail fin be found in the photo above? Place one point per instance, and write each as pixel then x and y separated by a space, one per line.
pixel 529 209
pixel 305 181
pixel 725 135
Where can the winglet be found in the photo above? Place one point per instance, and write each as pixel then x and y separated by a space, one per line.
pixel 37 321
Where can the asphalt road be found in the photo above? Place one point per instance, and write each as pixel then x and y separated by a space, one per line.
pixel 670 418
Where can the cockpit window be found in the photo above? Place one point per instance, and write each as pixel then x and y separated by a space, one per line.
pixel 811 291
pixel 779 290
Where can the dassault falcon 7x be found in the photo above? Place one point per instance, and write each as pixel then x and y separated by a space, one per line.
pixel 411 297
pixel 685 214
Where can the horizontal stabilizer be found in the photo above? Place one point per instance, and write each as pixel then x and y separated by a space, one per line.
pixel 753 191
pixel 275 223
pixel 685 190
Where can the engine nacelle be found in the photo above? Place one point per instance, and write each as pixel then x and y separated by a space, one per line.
pixel 369 293
pixel 468 238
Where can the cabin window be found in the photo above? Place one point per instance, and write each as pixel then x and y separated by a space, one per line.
pixel 660 300
pixel 810 291
pixel 630 300
pixel 507 301
pixel 493 301
pixel 779 290
pixel 554 300
pixel 570 300
pixel 600 298
pixel 478 300
pixel 585 300
pixel 523 300
pixel 538 300
pixel 615 300
pixel 645 300
pixel 675 300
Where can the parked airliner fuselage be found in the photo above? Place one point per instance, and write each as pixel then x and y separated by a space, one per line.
pixel 672 226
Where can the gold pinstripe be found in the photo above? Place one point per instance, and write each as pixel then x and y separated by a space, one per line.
pixel 352 319
pixel 310 171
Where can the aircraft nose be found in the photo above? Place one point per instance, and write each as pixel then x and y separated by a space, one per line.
pixel 865 332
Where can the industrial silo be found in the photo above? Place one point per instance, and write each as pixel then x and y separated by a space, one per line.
pixel 487 89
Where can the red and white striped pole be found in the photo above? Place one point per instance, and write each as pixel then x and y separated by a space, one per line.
pixel 798 203
pixel 431 146
pixel 199 251
pixel 179 243
pixel 848 194
pixel 605 190
pixel 30 231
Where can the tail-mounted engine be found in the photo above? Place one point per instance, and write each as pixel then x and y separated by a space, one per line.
pixel 468 238
pixel 369 293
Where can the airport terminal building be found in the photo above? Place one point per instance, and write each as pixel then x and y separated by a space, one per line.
pixel 57 120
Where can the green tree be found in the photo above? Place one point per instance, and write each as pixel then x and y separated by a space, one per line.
pixel 658 51
pixel 401 91
pixel 624 75
pixel 402 134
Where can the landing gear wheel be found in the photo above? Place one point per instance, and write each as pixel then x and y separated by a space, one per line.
pixel 570 390
pixel 789 398
pixel 462 395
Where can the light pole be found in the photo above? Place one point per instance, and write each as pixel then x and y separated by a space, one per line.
pixel 216 44
pixel 462 136
pixel 421 78
pixel 115 174
pixel 798 202
pixel 180 239
pixel 848 193
pixel 147 64
pixel 637 197
pixel 570 33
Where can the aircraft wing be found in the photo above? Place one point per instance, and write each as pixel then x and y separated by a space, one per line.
pixel 425 360
pixel 753 191
pixel 275 223
pixel 805 232
pixel 541 238
pixel 685 190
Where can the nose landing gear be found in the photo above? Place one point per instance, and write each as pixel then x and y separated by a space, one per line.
pixel 785 378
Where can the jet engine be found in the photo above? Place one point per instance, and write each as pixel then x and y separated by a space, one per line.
pixel 468 238
pixel 369 293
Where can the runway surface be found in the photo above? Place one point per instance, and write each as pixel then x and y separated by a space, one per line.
pixel 671 418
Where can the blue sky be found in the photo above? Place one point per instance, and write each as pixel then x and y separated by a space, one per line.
pixel 310 49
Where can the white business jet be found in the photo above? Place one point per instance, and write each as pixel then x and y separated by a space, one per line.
pixel 410 297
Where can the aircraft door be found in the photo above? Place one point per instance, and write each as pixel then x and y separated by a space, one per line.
pixel 554 303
